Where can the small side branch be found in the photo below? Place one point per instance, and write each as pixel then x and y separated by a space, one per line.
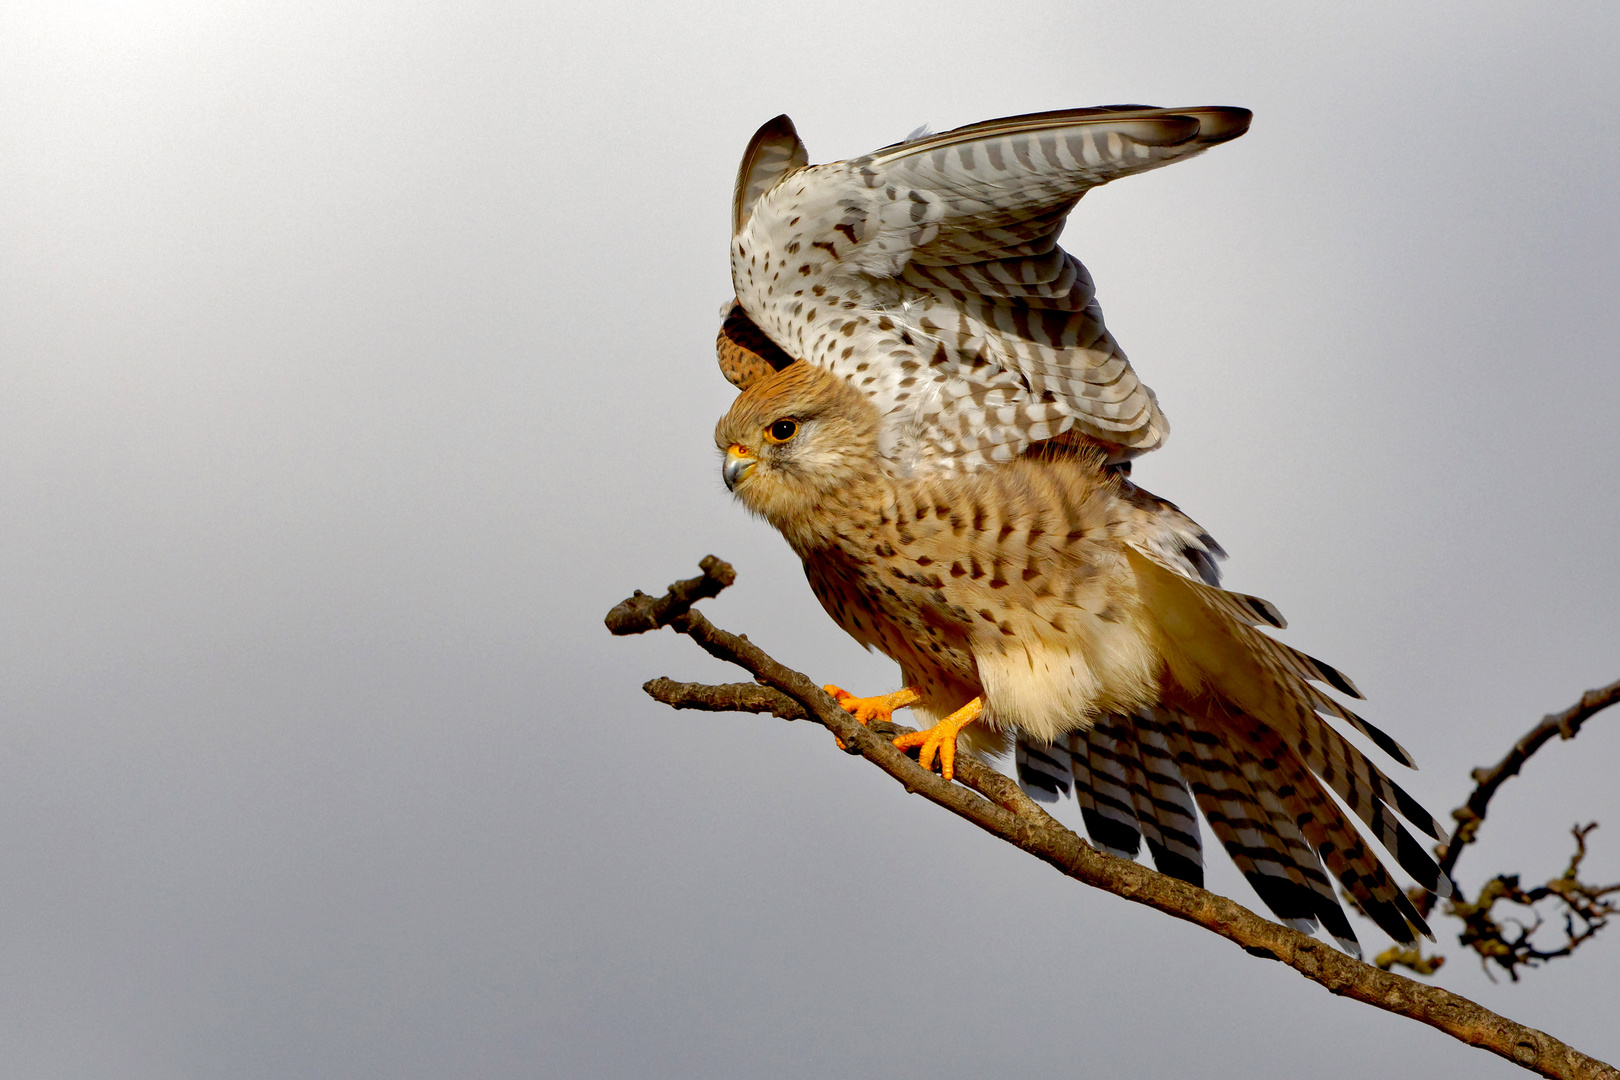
pixel 1585 907
pixel 1586 910
pixel 640 612
pixel 731 697
pixel 995 804
pixel 1471 815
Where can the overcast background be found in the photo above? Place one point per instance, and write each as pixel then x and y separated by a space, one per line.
pixel 355 358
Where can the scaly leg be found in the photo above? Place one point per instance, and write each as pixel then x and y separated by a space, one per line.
pixel 942 737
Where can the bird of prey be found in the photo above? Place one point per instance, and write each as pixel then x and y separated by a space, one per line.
pixel 933 417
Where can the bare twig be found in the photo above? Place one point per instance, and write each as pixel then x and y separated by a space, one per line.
pixel 640 612
pixel 1586 910
pixel 994 802
pixel 1481 932
pixel 1472 813
pixel 1409 956
pixel 731 697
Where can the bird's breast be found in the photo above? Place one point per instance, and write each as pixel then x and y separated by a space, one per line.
pixel 1007 583
pixel 898 614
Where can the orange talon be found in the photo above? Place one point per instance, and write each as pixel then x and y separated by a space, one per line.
pixel 942 738
pixel 867 709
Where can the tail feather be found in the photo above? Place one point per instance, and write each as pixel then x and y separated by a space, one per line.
pixel 1128 787
pixel 1043 771
pixel 1137 778
pixel 1264 678
pixel 1266 846
pixel 1243 732
pixel 1102 785
pixel 1165 808
pixel 1252 713
pixel 1327 830
pixel 1125 755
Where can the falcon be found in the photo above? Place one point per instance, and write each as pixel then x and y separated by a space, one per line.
pixel 936 420
pixel 1030 599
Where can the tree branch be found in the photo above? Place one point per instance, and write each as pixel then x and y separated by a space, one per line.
pixel 1587 909
pixel 995 803
pixel 640 612
pixel 1471 815
pixel 731 697
pixel 1582 903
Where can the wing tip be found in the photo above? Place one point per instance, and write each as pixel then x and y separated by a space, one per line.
pixel 1335 678
pixel 1222 123
pixel 1444 887
pixel 754 177
pixel 1379 738
pixel 1265 611
pixel 777 127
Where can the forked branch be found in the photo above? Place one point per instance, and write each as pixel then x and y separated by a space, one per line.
pixel 1506 942
pixel 1471 815
pixel 996 804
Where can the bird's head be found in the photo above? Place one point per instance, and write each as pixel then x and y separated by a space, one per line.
pixel 796 440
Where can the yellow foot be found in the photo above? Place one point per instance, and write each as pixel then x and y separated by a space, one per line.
pixel 867 709
pixel 942 738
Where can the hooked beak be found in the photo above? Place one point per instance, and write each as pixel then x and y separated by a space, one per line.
pixel 738 463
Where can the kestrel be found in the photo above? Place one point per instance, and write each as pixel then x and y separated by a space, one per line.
pixel 1035 598
pixel 948 458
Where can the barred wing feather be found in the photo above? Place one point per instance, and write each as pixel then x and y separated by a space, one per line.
pixel 928 273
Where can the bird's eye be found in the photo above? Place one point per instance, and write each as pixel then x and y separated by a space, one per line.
pixel 782 430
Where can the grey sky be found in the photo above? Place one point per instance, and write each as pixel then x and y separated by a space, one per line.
pixel 354 358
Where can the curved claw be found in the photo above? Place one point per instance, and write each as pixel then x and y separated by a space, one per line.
pixel 941 738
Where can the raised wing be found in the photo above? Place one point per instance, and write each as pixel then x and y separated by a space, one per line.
pixel 928 273
pixel 1000 189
